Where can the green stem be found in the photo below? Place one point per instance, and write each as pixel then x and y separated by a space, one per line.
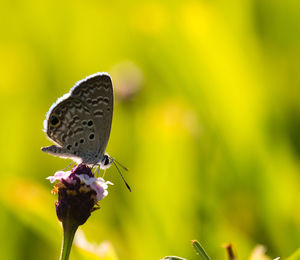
pixel 69 230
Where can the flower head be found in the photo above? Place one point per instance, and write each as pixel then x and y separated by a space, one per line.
pixel 78 193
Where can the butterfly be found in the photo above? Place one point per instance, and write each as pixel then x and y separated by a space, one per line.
pixel 79 123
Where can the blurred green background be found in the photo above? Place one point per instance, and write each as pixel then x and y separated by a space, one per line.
pixel 206 117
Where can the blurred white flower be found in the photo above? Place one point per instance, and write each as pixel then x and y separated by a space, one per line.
pixel 104 250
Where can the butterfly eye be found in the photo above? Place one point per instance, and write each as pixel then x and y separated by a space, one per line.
pixel 106 160
pixel 54 121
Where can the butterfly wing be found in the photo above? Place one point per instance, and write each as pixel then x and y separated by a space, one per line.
pixel 97 92
pixel 80 122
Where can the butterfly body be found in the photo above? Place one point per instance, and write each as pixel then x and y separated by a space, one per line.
pixel 79 123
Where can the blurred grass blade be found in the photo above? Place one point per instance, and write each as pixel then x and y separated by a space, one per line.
pixel 173 258
pixel 200 250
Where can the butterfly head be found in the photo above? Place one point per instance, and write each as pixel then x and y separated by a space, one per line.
pixel 106 161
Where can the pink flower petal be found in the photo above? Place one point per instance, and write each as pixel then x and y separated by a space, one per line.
pixel 59 176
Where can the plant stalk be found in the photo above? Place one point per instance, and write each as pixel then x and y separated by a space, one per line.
pixel 69 230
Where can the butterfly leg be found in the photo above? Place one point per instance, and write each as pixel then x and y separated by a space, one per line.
pixel 68 166
pixel 97 169
pixel 104 171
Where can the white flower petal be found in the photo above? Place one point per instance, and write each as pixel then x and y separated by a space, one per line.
pixel 59 176
pixel 100 187
pixel 86 179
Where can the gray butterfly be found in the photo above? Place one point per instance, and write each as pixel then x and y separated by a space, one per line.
pixel 80 121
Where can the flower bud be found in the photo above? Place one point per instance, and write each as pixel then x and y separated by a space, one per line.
pixel 78 193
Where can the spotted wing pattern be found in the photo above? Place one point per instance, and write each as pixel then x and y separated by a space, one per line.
pixel 80 122
pixel 97 92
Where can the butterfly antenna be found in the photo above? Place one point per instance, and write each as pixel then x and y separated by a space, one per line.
pixel 113 161
pixel 125 168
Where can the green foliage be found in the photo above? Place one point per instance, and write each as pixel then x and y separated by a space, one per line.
pixel 200 250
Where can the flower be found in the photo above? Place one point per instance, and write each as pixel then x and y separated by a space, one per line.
pixel 59 176
pixel 78 193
